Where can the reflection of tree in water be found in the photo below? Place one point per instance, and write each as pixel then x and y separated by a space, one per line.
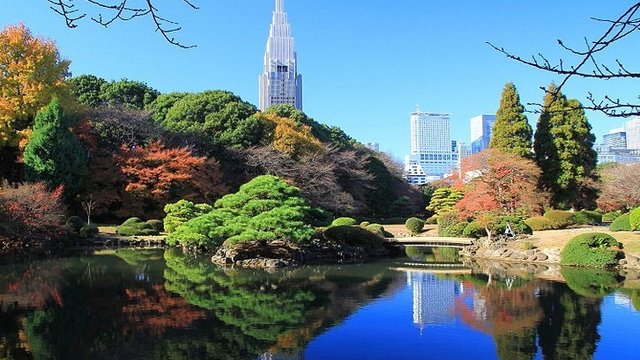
pixel 433 254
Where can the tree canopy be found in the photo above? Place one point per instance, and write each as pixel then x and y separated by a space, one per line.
pixel 511 130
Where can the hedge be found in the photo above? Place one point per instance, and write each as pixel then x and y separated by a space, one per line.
pixel 135 227
pixel 587 217
pixel 354 235
pixel 474 230
pixel 621 223
pixel 591 250
pixel 612 215
pixel 561 218
pixel 540 223
pixel 414 225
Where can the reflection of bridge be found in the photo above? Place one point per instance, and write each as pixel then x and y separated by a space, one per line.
pixel 432 241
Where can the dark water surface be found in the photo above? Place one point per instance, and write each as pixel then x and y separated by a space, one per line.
pixel 155 304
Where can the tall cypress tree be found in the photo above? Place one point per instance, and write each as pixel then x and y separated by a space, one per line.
pixel 564 152
pixel 54 154
pixel 511 130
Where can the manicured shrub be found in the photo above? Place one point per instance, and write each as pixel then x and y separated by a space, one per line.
pixel 88 230
pixel 586 217
pixel 378 230
pixel 560 218
pixel 182 211
pixel 621 223
pixel 539 223
pixel 610 216
pixel 156 225
pixel 432 220
pixel 634 219
pixel 135 227
pixel 342 221
pixel 518 226
pixel 364 224
pixel 446 220
pixel 414 225
pixel 354 236
pixel 474 230
pixel 75 223
pixel 591 250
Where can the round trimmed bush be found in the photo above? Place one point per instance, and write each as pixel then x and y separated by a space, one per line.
pixel 364 224
pixel 414 225
pixel 344 221
pixel 610 216
pixel 587 217
pixel 89 230
pixel 354 235
pixel 621 223
pixel 156 225
pixel 539 223
pixel 474 230
pixel 591 250
pixel 131 221
pixel 560 218
pixel 75 223
pixel 378 230
pixel 634 219
pixel 135 227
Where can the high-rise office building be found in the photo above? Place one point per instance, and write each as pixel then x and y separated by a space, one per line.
pixel 280 82
pixel 615 139
pixel 632 130
pixel 432 154
pixel 481 129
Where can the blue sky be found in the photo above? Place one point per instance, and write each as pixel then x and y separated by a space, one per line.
pixel 366 64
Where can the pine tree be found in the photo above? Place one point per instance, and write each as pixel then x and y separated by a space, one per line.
pixel 564 152
pixel 511 130
pixel 54 154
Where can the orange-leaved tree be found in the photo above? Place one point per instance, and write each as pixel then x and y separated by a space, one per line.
pixel 290 137
pixel 31 73
pixel 500 183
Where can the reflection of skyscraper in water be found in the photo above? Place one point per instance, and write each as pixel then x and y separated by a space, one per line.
pixel 271 356
pixel 433 298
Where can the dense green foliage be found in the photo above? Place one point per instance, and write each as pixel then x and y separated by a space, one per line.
pixel 128 93
pixel 540 223
pixel 517 224
pixel 354 236
pixel 378 230
pixel 610 216
pixel 564 152
pixel 156 224
pixel 561 219
pixel 511 130
pixel 587 217
pixel 432 220
pixel 87 89
pixel 136 227
pixel 444 200
pixel 634 219
pixel 474 230
pixel 265 208
pixel 344 221
pixel 446 221
pixel 591 250
pixel 414 225
pixel 75 223
pixel 220 116
pixel 591 283
pixel 181 212
pixel 54 154
pixel 621 223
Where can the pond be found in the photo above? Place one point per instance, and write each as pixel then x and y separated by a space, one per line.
pixel 156 304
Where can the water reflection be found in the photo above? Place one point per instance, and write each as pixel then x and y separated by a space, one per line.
pixel 166 305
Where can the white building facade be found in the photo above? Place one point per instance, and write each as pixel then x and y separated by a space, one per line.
pixel 280 82
pixel 431 154
pixel 632 130
pixel 481 127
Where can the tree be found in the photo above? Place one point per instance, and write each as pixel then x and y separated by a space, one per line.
pixel 444 199
pixel 511 130
pixel 620 189
pixel 587 65
pixel 32 72
pixel 54 154
pixel 108 13
pixel 87 89
pixel 500 183
pixel 564 152
pixel 128 93
pixel 288 137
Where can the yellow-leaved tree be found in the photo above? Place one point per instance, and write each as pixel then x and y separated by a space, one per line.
pixel 31 73
pixel 290 137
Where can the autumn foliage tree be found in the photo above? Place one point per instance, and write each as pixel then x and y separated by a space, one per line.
pixel 32 72
pixel 289 137
pixel 620 189
pixel 500 183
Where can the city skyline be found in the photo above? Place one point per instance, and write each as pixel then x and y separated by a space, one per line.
pixel 352 54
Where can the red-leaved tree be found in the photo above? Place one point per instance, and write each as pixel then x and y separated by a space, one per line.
pixel 500 183
pixel 620 189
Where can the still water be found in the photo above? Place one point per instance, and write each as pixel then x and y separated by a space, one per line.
pixel 155 304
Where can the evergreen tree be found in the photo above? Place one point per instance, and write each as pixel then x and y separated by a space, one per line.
pixel 54 154
pixel 511 130
pixel 564 151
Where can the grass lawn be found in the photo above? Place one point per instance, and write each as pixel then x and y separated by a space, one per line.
pixel 558 238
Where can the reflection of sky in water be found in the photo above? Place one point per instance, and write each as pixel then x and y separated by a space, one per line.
pixel 386 329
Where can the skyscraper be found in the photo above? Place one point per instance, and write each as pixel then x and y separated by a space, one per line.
pixel 481 129
pixel 632 129
pixel 280 82
pixel 432 154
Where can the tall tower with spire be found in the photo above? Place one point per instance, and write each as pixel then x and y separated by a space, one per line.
pixel 280 82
